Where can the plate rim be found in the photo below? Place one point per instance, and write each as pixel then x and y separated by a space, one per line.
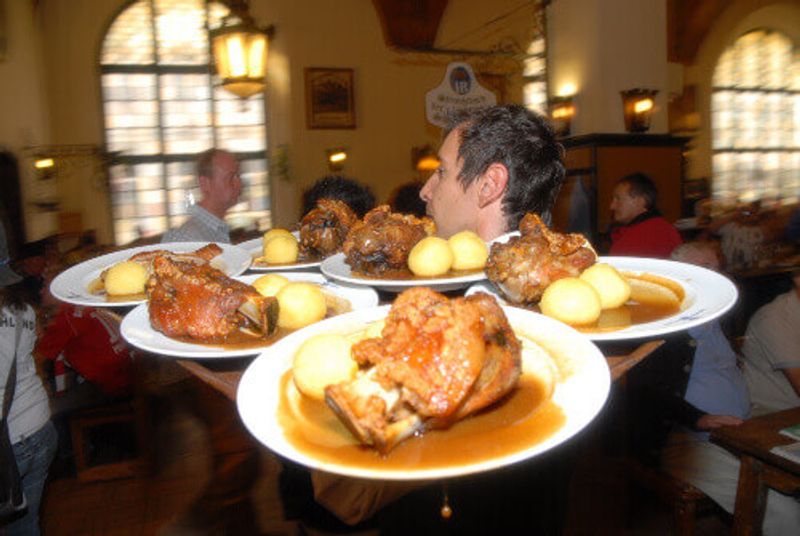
pixel 248 246
pixel 434 283
pixel 83 269
pixel 596 372
pixel 140 312
pixel 656 328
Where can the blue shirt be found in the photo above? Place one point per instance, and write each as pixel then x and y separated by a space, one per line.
pixel 716 384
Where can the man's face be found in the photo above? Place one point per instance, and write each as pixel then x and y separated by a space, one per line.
pixel 225 184
pixel 452 208
pixel 624 206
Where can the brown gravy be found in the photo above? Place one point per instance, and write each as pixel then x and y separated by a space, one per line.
pixel 406 274
pixel 629 314
pixel 526 417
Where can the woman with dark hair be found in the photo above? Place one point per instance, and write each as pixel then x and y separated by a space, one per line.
pixel 31 433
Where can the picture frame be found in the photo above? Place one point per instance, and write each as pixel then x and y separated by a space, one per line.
pixel 330 103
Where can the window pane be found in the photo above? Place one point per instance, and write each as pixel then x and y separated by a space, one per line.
pixel 130 177
pixel 187 140
pixel 129 87
pixel 245 139
pixel 180 31
pixel 237 112
pixel 131 114
pixel 187 114
pixel 129 40
pixel 756 126
pixel 185 86
pixel 134 140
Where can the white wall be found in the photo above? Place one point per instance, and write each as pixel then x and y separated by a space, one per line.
pixel 603 47
pixel 22 105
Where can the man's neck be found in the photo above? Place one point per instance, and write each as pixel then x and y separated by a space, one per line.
pixel 492 222
pixel 219 212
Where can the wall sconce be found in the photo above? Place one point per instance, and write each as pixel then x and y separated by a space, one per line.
pixel 424 159
pixel 638 105
pixel 562 109
pixel 43 163
pixel 240 51
pixel 336 158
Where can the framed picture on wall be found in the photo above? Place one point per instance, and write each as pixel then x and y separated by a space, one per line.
pixel 329 98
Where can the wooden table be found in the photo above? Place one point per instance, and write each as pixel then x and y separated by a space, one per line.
pixel 760 469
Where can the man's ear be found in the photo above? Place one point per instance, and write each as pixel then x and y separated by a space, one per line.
pixel 492 184
pixel 203 182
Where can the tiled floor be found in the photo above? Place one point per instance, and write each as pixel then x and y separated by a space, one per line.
pixel 144 506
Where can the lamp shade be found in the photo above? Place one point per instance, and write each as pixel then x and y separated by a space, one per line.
pixel 240 54
pixel 637 106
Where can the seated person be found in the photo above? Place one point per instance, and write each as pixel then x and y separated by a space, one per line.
pixel 771 353
pixel 357 196
pixel 639 229
pixel 717 388
pixel 91 343
pixel 743 232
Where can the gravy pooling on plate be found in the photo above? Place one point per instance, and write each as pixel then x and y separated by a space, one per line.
pixel 406 275
pixel 524 418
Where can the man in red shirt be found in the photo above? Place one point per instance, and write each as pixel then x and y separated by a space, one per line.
pixel 640 229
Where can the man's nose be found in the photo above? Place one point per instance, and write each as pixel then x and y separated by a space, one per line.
pixel 425 192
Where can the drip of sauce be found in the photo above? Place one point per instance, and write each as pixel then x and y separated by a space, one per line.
pixel 524 418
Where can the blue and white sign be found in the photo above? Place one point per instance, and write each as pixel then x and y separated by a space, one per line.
pixel 459 90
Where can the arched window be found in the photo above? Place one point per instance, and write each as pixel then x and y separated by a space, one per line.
pixel 755 119
pixel 161 108
pixel 534 69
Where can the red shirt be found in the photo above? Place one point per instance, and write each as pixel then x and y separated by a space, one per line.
pixel 653 237
pixel 92 345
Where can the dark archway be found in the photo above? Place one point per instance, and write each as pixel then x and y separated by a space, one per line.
pixel 11 213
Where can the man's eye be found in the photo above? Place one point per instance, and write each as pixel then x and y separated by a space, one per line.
pixel 440 171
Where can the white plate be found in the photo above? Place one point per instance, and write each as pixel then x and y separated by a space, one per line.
pixel 136 328
pixel 71 285
pixel 335 268
pixel 709 295
pixel 256 249
pixel 580 393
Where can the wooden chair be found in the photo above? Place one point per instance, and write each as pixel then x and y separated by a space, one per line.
pixel 685 500
pixel 112 440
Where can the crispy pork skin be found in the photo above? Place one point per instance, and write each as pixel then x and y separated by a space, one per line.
pixel 523 267
pixel 437 361
pixel 383 240
pixel 324 228
pixel 201 302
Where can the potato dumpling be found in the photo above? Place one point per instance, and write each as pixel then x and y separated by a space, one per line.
pixel 649 292
pixel 281 249
pixel 321 361
pixel 272 233
pixel 571 300
pixel 270 284
pixel 612 288
pixel 431 256
pixel 469 251
pixel 300 304
pixel 125 278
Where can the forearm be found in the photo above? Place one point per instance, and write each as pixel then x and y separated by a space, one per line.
pixel 793 375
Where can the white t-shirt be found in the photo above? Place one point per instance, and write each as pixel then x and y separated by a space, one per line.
pixel 772 344
pixel 30 408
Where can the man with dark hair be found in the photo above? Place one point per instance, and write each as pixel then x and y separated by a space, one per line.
pixel 220 185
pixel 356 195
pixel 497 164
pixel 639 229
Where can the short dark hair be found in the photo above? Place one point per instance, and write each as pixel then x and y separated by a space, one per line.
pixel 356 195
pixel 525 144
pixel 205 161
pixel 641 185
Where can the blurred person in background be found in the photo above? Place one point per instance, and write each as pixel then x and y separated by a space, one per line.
pixel 31 432
pixel 639 229
pixel 220 182
pixel 771 353
pixel 405 199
